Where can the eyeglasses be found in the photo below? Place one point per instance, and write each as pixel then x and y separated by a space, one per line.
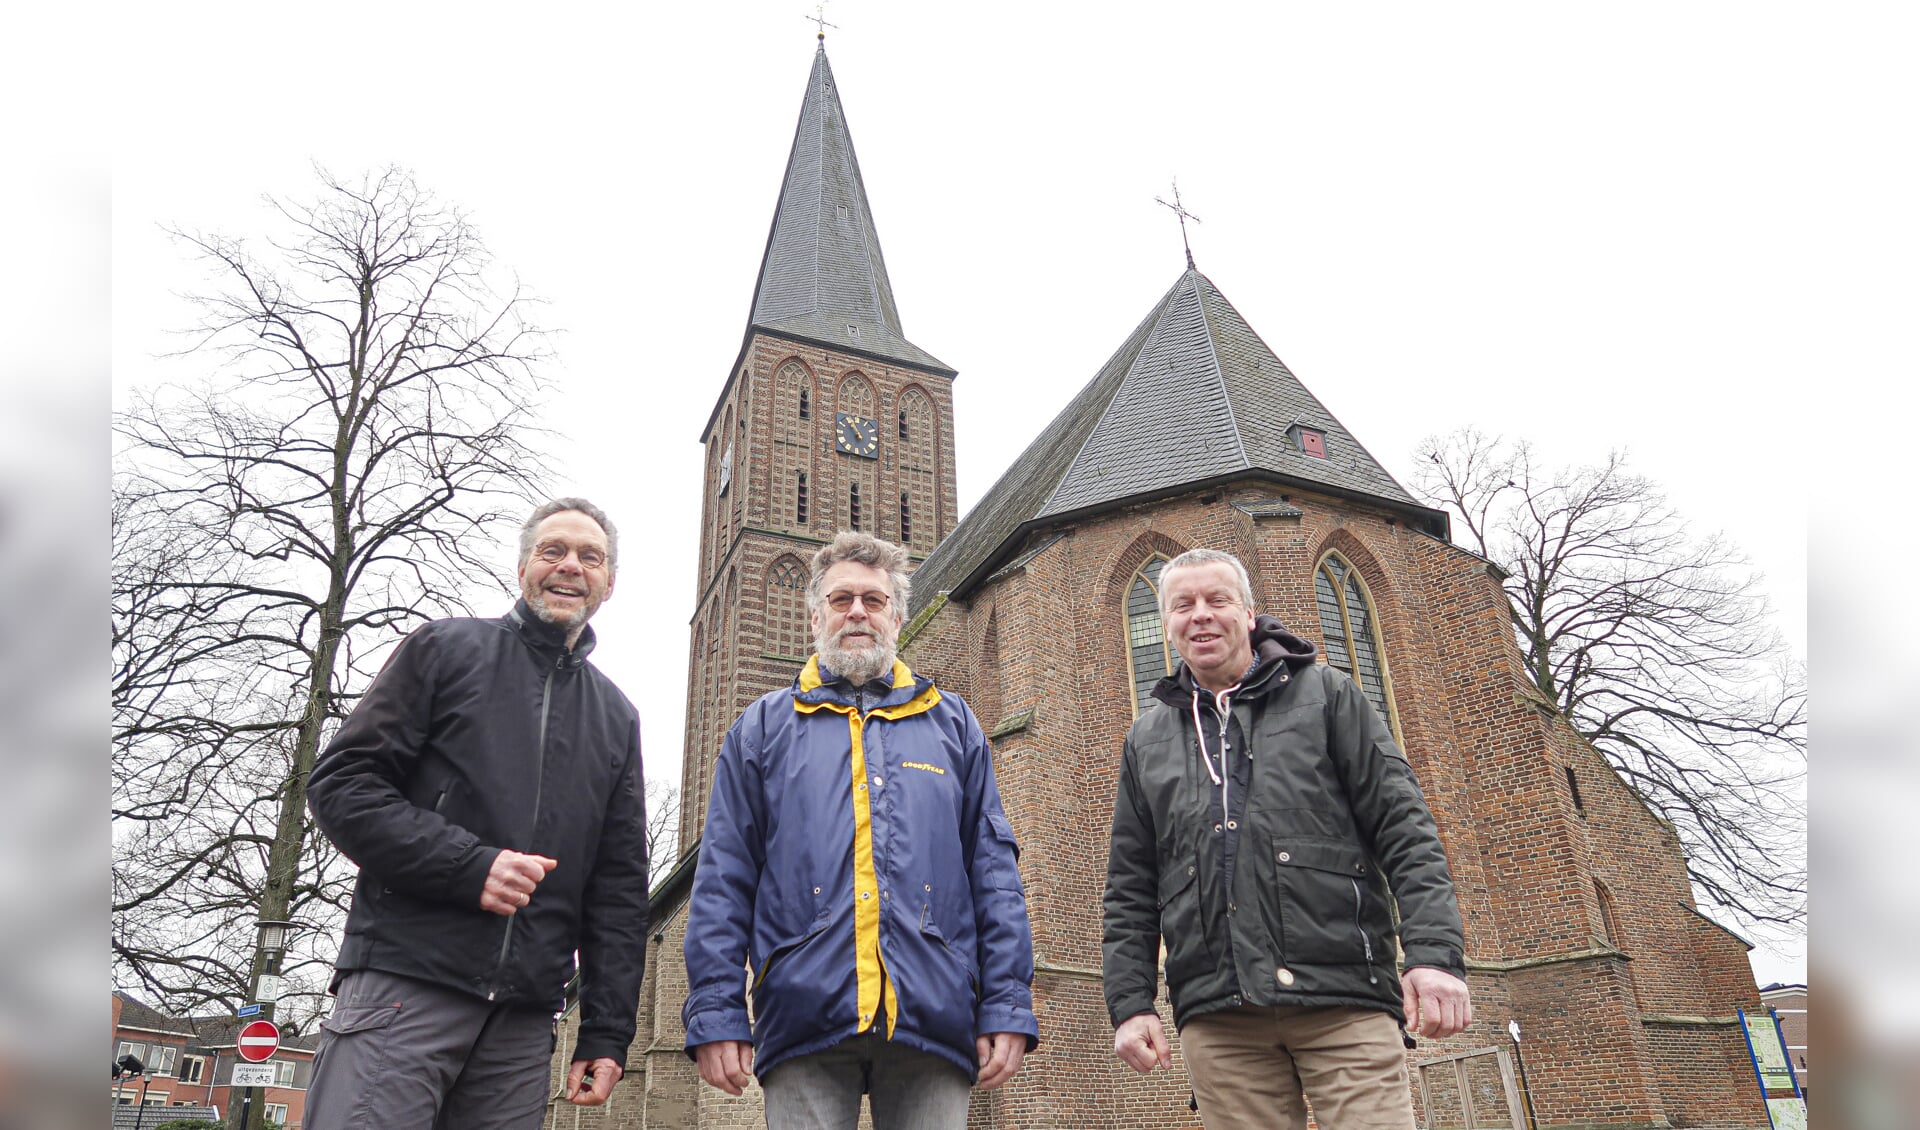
pixel 1218 601
pixel 873 601
pixel 553 553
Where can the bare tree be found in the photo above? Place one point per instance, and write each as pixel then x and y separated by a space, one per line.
pixel 1656 646
pixel 359 450
pixel 663 829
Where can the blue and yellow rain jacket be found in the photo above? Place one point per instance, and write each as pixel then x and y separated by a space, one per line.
pixel 857 873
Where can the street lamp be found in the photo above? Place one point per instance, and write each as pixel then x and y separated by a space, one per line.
pixel 273 934
pixel 126 1066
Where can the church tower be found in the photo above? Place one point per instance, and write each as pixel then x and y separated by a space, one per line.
pixel 829 419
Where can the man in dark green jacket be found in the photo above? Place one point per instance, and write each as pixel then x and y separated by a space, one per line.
pixel 1264 825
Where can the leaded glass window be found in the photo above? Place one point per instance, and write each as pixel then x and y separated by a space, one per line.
pixel 1347 626
pixel 1146 636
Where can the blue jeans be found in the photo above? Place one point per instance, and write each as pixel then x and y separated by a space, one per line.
pixel 907 1089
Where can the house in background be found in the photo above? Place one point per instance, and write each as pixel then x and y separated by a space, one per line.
pixel 189 1063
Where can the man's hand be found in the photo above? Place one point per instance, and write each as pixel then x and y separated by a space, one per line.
pixel 726 1064
pixel 1141 1043
pixel 1437 1003
pixel 511 881
pixel 592 1090
pixel 1000 1056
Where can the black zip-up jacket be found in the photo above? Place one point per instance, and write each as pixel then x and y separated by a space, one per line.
pixel 478 736
pixel 1327 817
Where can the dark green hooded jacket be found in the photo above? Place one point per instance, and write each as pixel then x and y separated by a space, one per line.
pixel 1325 818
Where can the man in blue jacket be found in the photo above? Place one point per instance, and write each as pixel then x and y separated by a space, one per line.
pixel 858 866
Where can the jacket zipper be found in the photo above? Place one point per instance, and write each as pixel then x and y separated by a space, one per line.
pixel 1364 940
pixel 539 780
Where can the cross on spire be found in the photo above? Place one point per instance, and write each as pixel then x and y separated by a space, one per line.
pixel 819 19
pixel 1180 211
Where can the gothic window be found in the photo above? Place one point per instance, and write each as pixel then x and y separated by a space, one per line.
pixel 906 519
pixel 1347 623
pixel 918 461
pixel 1147 654
pixel 790 444
pixel 786 624
pixel 853 507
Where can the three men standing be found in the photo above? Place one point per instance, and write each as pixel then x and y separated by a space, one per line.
pixel 489 787
pixel 1263 814
pixel 857 859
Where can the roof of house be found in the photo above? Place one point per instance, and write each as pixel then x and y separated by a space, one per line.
pixel 135 1013
pixel 822 277
pixel 1192 396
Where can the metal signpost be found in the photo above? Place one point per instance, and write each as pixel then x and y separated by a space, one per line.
pixel 257 1043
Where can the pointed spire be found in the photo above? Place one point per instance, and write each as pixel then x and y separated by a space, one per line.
pixel 823 277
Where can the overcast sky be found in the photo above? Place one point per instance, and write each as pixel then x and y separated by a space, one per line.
pixel 1588 228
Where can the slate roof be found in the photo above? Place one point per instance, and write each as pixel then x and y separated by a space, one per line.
pixel 136 1013
pixel 823 277
pixel 1192 396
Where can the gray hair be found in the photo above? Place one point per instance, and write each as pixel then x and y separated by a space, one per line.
pixel 1195 557
pixel 862 549
pixel 560 506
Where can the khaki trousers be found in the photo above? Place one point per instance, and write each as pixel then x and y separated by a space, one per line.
pixel 1251 1065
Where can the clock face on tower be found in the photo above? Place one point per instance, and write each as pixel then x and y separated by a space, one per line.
pixel 856 435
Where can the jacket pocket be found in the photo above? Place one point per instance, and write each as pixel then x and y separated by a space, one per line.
pixel 786 949
pixel 1180 925
pixel 1003 870
pixel 938 940
pixel 1330 910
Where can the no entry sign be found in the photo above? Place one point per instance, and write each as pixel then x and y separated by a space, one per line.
pixel 258 1041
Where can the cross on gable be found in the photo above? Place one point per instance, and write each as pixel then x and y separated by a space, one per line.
pixel 1180 210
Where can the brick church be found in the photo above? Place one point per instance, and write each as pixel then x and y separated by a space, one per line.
pixel 1039 609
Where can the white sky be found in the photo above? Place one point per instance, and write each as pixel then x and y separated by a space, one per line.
pixel 1594 228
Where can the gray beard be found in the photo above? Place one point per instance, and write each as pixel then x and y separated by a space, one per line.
pixel 857 667
pixel 572 621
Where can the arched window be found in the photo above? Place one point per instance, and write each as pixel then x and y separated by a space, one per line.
pixel 803 404
pixel 786 626
pixel 1147 653
pixel 1347 625
pixel 919 462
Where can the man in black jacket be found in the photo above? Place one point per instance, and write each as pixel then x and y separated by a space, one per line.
pixel 1262 803
pixel 489 787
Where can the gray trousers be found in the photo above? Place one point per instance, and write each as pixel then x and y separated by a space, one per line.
pixel 402 1054
pixel 908 1089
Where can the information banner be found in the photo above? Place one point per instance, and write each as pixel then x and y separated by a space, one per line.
pixel 1769 1054
pixel 1788 1114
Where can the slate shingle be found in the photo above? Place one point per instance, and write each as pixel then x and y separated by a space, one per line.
pixel 1192 395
